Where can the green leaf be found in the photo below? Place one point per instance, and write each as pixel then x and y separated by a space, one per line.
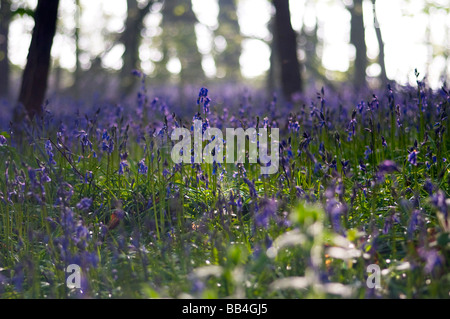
pixel 5 134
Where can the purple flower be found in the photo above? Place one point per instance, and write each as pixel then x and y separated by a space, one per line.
pixel 415 223
pixel 87 177
pixel 142 168
pixel 3 140
pixel 335 211
pixel 428 186
pixel 32 175
pixel 107 142
pixel 204 99
pixel 432 259
pixel 48 149
pixel 412 157
pixel 251 187
pixel 387 167
pixel 84 140
pixel 383 141
pixel 268 212
pixel 362 166
pixel 367 152
pixel 438 200
pixel 84 204
pixel 136 73
pixel 122 165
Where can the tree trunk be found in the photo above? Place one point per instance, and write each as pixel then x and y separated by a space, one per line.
pixel 228 60
pixel 35 75
pixel 357 38
pixel 287 50
pixel 180 40
pixel 5 18
pixel 273 73
pixel 131 40
pixel 383 75
pixel 77 73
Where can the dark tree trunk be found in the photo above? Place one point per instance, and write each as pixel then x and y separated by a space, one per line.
pixel 383 75
pixel 230 30
pixel 5 18
pixel 35 75
pixel 286 41
pixel 357 38
pixel 273 73
pixel 181 24
pixel 131 40
pixel 77 49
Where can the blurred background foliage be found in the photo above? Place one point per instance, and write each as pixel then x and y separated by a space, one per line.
pixel 191 43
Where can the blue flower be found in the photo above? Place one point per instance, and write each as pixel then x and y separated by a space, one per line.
pixel 84 204
pixel 251 187
pixel 432 259
pixel 367 152
pixel 387 167
pixel 428 186
pixel 438 200
pixel 415 223
pixel 383 141
pixel 48 149
pixel 142 168
pixel 136 73
pixel 412 157
pixel 3 140
pixel 268 212
pixel 204 99
pixel 122 165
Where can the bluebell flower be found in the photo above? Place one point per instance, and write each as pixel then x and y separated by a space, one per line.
pixel 335 210
pixel 239 202
pixel 428 186
pixel 383 141
pixel 107 142
pixel 122 165
pixel 251 187
pixel 387 167
pixel 387 225
pixel 204 100
pixel 439 201
pixel 87 177
pixel 166 172
pixel 367 152
pixel 142 168
pixel 48 150
pixel 415 223
pixel 3 140
pixel 32 175
pixel 432 259
pixel 412 157
pixel 317 167
pixel 263 217
pixel 362 166
pixel 84 204
pixel 136 73
pixel 105 135
pixel 84 140
pixel 45 178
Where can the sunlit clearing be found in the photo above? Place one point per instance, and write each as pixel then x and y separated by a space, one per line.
pixel 113 59
pixel 255 59
pixel 209 66
pixel 206 12
pixel 174 65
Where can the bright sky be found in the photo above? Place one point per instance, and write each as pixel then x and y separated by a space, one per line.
pixel 403 25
